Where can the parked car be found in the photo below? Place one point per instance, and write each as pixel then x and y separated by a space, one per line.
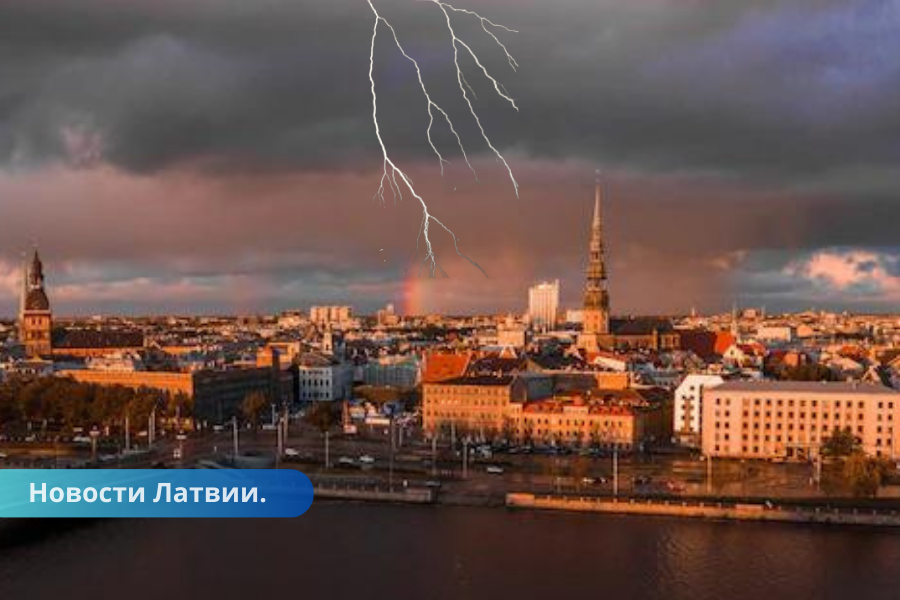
pixel 366 459
pixel 494 470
pixel 346 461
pixel 675 486
pixel 291 453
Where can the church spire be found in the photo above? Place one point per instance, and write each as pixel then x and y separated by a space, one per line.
pixel 596 297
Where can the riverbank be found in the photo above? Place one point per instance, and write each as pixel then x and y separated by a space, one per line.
pixel 774 511
pixel 759 512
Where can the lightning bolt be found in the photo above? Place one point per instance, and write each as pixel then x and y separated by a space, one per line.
pixel 391 171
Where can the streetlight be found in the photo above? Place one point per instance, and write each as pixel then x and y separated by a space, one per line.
pixel 94 435
pixel 615 470
pixel 465 458
pixel 180 437
pixel 391 462
pixel 234 430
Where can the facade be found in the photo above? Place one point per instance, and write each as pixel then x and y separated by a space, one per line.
pixel 470 405
pixel 609 419
pixel 513 335
pixel 35 318
pixel 792 419
pixel 96 343
pixel 524 409
pixel 217 394
pixel 321 378
pixel 688 413
pixel 330 315
pixel 387 317
pixel 543 305
pixel 776 333
pixel 393 371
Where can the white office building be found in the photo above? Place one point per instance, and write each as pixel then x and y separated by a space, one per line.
pixel 321 378
pixel 543 305
pixel 688 415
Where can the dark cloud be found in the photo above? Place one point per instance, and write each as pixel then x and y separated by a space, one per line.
pixel 210 142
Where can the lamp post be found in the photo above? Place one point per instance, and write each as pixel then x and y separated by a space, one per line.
pixel 615 471
pixel 466 458
pixel 234 435
pixel 391 460
pixel 94 435
pixel 434 453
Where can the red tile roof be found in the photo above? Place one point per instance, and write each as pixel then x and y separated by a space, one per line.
pixel 442 366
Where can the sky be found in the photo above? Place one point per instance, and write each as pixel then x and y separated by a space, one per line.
pixel 220 156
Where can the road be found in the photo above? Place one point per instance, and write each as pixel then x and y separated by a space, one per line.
pixel 661 474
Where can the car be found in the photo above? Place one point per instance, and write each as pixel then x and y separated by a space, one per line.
pixel 641 480
pixel 3 455
pixel 291 452
pixel 675 486
pixel 588 480
pixel 433 483
pixel 176 454
pixel 31 438
pixel 218 428
pixel 494 470
pixel 346 461
pixel 366 459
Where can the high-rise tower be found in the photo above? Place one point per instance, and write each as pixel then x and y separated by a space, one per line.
pixel 35 317
pixel 596 296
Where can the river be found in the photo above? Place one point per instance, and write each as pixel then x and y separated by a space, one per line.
pixel 379 551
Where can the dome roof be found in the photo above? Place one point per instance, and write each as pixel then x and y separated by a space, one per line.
pixel 37 300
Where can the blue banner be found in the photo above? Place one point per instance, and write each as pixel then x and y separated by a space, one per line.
pixel 118 493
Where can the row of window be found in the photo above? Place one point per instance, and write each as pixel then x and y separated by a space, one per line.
pixel 802 403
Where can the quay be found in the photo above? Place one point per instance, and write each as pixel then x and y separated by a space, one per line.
pixel 736 511
pixel 334 491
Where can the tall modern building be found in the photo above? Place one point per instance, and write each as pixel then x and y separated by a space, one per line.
pixel 543 305
pixel 595 317
pixel 34 312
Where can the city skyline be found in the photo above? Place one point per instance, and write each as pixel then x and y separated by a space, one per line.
pixel 177 159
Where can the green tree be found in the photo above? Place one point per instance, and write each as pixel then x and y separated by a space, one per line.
pixel 841 443
pixel 863 475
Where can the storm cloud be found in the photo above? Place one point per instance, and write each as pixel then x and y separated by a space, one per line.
pixel 222 153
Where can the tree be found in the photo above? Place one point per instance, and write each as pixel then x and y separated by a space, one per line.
pixel 841 444
pixel 863 475
pixel 322 416
pixel 253 406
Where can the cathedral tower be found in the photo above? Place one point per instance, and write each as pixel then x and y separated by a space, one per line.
pixel 35 317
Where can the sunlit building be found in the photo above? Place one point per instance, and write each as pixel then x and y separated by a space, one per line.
pixel 35 318
pixel 793 419
pixel 543 305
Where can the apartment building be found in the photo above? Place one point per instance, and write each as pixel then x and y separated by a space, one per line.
pixel 791 420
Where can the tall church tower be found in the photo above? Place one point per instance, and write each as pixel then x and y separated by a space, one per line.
pixel 596 297
pixel 35 318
